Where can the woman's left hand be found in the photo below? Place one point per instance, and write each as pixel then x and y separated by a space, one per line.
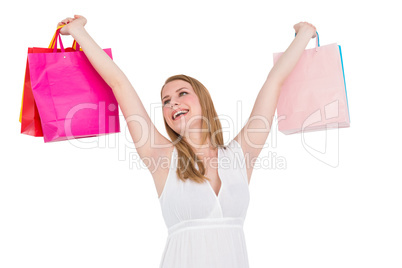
pixel 305 27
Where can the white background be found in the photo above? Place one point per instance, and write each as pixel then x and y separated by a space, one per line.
pixel 62 205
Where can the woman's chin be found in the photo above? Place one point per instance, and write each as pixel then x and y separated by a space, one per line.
pixel 183 126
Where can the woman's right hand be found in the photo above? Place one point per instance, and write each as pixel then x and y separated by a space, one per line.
pixel 77 21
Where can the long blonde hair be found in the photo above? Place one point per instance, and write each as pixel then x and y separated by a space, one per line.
pixel 186 157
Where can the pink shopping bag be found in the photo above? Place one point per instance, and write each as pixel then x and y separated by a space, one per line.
pixel 314 97
pixel 73 100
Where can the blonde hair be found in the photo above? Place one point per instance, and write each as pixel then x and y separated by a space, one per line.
pixel 186 157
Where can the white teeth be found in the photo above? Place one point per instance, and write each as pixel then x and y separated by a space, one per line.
pixel 178 113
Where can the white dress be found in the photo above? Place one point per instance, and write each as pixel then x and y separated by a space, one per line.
pixel 206 230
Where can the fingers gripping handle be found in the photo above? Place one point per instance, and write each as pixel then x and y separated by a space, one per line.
pixel 53 43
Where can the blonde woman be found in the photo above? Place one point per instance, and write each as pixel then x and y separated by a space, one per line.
pixel 203 191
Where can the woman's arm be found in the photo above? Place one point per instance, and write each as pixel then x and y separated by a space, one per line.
pixel 254 134
pixel 139 123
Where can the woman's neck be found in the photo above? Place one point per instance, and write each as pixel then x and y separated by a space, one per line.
pixel 195 141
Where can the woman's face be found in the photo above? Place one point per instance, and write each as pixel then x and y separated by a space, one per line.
pixel 181 107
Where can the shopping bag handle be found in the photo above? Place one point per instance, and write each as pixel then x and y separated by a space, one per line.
pixel 317 41
pixel 53 43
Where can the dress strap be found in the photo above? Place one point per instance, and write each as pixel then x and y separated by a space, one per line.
pixel 171 173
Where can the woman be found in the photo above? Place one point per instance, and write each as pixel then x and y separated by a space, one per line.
pixel 203 191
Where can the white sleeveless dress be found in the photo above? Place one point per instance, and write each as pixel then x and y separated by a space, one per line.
pixel 206 230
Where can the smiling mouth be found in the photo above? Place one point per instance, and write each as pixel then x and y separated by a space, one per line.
pixel 178 114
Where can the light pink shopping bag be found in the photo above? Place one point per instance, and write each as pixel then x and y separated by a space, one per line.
pixel 313 97
pixel 73 100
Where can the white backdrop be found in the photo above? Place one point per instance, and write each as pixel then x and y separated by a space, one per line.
pixel 335 203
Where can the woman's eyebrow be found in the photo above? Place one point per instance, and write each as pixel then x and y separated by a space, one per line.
pixel 176 91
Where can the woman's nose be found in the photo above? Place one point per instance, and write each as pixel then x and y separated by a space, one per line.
pixel 173 102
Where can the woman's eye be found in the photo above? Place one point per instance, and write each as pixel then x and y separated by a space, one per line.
pixel 166 102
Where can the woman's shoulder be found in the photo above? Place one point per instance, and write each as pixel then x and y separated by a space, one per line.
pixel 234 149
pixel 232 145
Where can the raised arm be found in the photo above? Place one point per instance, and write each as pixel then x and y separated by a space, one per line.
pixel 254 134
pixel 139 123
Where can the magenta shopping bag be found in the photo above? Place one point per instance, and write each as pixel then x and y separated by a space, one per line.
pixel 73 100
pixel 314 97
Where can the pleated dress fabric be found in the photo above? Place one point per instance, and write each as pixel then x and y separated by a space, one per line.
pixel 206 230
